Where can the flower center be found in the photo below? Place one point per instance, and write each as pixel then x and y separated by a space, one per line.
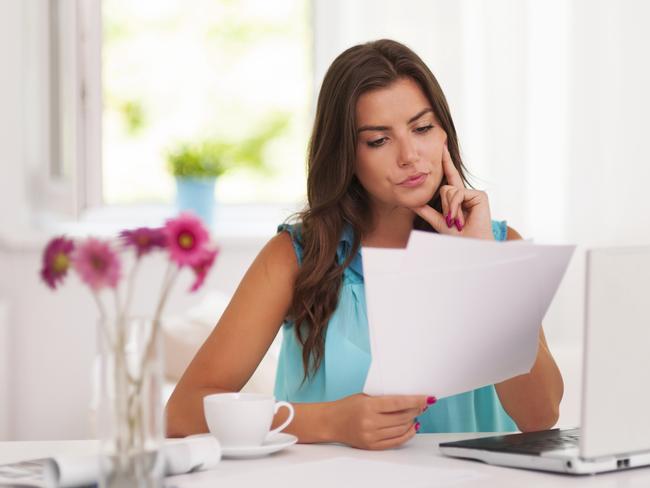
pixel 186 240
pixel 142 240
pixel 60 262
pixel 98 263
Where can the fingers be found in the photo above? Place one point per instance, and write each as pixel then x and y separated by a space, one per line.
pixel 385 422
pixel 408 434
pixel 474 198
pixel 444 199
pixel 396 430
pixel 435 219
pixel 455 215
pixel 452 174
pixel 399 403
pixel 389 420
pixel 451 199
pixel 460 218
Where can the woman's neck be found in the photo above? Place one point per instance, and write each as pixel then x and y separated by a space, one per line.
pixel 391 228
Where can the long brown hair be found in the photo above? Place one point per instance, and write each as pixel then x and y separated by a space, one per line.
pixel 335 196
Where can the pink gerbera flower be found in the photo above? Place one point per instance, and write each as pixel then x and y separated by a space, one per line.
pixel 97 264
pixel 186 238
pixel 203 266
pixel 144 239
pixel 56 261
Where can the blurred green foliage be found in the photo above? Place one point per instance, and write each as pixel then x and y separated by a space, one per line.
pixel 213 157
pixel 134 117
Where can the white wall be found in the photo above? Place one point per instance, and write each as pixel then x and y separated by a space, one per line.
pixel 4 371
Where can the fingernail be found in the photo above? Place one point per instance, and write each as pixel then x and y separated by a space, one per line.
pixel 431 400
pixel 449 220
pixel 459 226
pixel 417 426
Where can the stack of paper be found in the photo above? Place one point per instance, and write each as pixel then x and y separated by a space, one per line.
pixel 448 315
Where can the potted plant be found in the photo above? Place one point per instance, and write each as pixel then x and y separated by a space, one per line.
pixel 197 165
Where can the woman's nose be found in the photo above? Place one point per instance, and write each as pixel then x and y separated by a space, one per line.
pixel 408 153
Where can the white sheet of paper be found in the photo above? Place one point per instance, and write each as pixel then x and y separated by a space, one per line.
pixel 455 315
pixel 338 471
pixel 553 261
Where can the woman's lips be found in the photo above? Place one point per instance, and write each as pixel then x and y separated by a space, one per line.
pixel 415 180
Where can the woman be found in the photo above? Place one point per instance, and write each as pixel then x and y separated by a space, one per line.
pixel 383 159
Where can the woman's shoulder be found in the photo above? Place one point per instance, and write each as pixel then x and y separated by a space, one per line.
pixel 292 233
pixel 278 254
pixel 292 230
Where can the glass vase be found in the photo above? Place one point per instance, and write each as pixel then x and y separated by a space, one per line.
pixel 130 411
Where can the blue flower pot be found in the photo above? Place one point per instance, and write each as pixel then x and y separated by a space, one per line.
pixel 197 195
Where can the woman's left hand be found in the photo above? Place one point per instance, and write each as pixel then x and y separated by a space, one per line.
pixel 466 211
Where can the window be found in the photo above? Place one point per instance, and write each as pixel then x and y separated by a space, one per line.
pixel 176 71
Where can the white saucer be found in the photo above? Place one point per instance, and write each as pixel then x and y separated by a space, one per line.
pixel 276 443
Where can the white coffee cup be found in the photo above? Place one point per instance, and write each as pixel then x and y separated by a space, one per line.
pixel 243 419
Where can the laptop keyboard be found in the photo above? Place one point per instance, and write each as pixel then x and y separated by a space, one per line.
pixel 532 443
pixel 568 439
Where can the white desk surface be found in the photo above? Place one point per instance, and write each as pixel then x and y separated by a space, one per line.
pixel 422 451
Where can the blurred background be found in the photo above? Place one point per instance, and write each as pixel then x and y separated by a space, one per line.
pixel 99 99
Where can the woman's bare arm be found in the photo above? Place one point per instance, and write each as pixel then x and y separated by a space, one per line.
pixel 232 352
pixel 533 399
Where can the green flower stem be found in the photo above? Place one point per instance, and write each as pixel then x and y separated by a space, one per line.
pixel 135 412
pixel 129 287
pixel 170 278
pixel 102 316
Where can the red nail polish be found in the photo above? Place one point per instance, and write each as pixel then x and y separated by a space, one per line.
pixel 459 226
pixel 431 400
pixel 417 427
pixel 449 220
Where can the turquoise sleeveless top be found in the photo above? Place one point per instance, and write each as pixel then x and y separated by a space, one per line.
pixel 346 358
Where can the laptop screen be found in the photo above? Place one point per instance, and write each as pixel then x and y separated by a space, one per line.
pixel 616 367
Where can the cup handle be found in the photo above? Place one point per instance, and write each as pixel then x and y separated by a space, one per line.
pixel 279 405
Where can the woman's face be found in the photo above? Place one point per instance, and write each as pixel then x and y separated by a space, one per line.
pixel 400 145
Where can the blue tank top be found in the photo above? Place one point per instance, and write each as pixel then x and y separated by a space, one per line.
pixel 346 358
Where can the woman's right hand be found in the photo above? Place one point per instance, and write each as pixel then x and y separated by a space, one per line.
pixel 377 422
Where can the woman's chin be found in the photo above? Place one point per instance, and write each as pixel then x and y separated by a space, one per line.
pixel 415 200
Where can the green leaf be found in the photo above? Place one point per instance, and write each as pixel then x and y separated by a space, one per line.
pixel 212 157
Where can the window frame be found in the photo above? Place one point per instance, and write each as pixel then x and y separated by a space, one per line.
pixel 63 73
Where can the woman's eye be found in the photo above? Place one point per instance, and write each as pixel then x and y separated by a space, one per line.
pixel 423 129
pixel 377 142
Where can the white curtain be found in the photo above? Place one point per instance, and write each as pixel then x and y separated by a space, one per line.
pixel 549 99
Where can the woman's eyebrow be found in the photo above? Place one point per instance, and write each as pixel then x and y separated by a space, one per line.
pixel 386 127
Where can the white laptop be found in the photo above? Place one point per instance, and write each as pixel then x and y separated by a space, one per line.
pixel 615 416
